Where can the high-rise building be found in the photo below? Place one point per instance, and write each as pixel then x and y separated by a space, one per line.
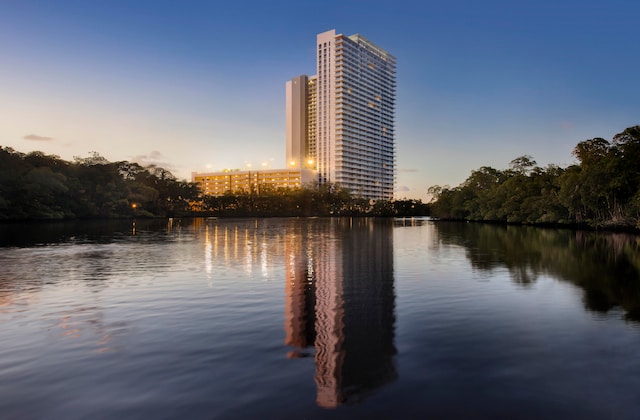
pixel 341 121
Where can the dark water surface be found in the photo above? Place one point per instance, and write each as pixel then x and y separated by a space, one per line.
pixel 314 318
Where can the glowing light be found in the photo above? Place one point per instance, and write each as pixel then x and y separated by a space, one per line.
pixel 292 163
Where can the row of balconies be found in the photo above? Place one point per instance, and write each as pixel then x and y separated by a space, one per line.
pixel 379 73
pixel 384 146
pixel 382 179
pixel 359 84
pixel 364 114
pixel 374 125
pixel 377 102
pixel 379 167
pixel 348 147
pixel 376 55
pixel 377 147
pixel 371 126
pixel 373 49
pixel 376 72
pixel 365 166
pixel 346 94
pixel 363 120
pixel 359 98
pixel 385 177
pixel 356 130
pixel 358 74
pixel 351 107
pixel 355 158
pixel 382 69
pixel 364 101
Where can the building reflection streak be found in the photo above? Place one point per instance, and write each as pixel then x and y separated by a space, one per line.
pixel 264 252
pixel 226 245
pixel 208 263
pixel 236 243
pixel 216 244
pixel 340 299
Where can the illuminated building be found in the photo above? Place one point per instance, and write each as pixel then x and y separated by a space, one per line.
pixel 301 122
pixel 217 183
pixel 341 122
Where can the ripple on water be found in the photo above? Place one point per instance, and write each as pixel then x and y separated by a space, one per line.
pixel 202 320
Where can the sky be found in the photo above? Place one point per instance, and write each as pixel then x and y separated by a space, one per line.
pixel 200 85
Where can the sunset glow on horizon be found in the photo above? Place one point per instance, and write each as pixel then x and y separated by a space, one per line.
pixel 196 86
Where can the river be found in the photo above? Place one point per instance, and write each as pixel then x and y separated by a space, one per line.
pixel 316 318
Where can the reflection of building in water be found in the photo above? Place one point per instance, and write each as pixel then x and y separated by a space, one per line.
pixel 250 244
pixel 340 294
pixel 300 292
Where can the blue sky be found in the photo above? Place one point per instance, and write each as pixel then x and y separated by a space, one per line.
pixel 199 85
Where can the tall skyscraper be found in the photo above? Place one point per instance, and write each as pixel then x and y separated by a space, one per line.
pixel 341 121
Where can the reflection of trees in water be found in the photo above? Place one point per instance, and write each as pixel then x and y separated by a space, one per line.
pixel 605 265
pixel 27 234
pixel 340 299
pixel 80 257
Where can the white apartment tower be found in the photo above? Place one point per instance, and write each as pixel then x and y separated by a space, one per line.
pixel 341 121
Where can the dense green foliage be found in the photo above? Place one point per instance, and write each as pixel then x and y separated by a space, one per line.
pixel 322 200
pixel 602 190
pixel 39 186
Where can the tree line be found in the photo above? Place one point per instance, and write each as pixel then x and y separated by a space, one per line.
pixel 306 201
pixel 601 190
pixel 40 186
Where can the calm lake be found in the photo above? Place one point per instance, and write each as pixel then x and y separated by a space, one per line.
pixel 317 318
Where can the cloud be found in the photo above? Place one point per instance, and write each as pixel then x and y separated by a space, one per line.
pixel 153 158
pixel 35 137
pixel 403 188
pixel 566 125
pixel 407 170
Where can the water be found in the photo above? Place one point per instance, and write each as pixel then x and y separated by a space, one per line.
pixel 315 318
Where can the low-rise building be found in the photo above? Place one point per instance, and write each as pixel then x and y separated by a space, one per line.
pixel 218 183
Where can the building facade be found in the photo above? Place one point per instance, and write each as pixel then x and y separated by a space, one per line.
pixel 218 183
pixel 341 122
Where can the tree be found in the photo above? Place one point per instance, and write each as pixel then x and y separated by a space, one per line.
pixel 523 165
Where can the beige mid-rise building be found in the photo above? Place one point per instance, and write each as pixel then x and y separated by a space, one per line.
pixel 218 183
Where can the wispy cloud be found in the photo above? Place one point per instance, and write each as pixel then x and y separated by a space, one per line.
pixel 35 137
pixel 566 125
pixel 403 188
pixel 407 170
pixel 153 158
